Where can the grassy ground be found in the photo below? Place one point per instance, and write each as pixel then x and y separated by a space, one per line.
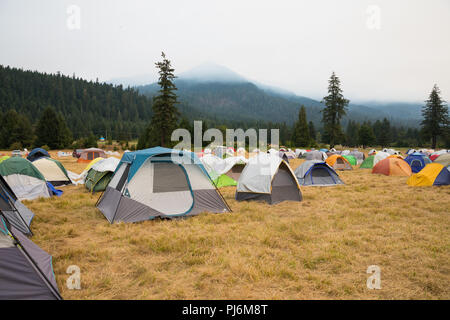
pixel 319 248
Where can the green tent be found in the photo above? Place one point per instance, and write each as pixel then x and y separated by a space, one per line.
pixel 4 158
pixel 352 159
pixel 97 181
pixel 224 181
pixel 367 163
pixel 21 166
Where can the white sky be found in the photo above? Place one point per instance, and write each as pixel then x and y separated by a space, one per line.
pixel 291 44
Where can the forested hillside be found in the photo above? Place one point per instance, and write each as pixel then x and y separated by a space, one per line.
pixel 88 107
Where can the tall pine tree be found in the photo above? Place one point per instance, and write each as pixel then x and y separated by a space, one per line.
pixel 335 109
pixel 301 137
pixel 435 114
pixel 165 113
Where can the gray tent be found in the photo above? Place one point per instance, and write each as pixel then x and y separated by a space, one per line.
pixel 316 155
pixel 25 269
pixel 16 213
pixel 268 178
pixel 316 173
pixel 360 156
pixel 159 182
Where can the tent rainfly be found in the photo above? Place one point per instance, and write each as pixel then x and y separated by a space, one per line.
pixel 338 162
pixel 24 178
pixel 53 171
pixel 434 174
pixel 100 174
pixel 159 182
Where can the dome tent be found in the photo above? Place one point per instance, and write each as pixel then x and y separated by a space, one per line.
pixel 351 159
pixel 223 172
pixel 16 213
pixel 392 167
pixel 443 159
pixel 53 171
pixel 159 182
pixel 100 174
pixel 37 153
pixel 24 178
pixel 268 178
pixel 338 162
pixel 367 163
pixel 316 155
pixel 434 174
pixel 26 271
pixel 316 173
pixel 417 161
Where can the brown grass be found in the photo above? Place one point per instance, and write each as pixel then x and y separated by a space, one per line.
pixel 319 248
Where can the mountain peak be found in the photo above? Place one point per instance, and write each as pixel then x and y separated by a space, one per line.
pixel 211 72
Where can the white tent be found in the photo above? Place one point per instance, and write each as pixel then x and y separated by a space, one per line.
pixel 269 178
pixel 380 156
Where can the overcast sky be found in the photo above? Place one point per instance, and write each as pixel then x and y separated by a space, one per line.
pixel 381 50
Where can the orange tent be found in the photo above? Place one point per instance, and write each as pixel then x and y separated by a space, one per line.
pixel 396 156
pixel 338 162
pixel 392 167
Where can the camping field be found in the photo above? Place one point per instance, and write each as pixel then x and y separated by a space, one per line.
pixel 319 248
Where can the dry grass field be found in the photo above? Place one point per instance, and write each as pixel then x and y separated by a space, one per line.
pixel 319 248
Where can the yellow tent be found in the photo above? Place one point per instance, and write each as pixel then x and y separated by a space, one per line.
pixel 92 163
pixel 4 158
pixel 434 174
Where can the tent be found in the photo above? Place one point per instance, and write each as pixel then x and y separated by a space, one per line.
pixel 16 213
pixel 443 159
pixel 360 156
pixel 159 182
pixel 372 152
pixel 53 171
pixel 397 156
pixel 351 159
pixel 24 178
pixel 316 173
pixel 436 154
pixel 268 178
pixel 417 161
pixel 3 158
pixel 434 174
pixel 100 174
pixel 316 155
pixel 37 153
pixel 223 172
pixel 338 162
pixel 26 271
pixel 87 155
pixel 367 163
pixel 392 167
pixel 380 155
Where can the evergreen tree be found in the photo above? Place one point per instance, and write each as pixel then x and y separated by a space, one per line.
pixel 384 135
pixel 301 137
pixel 52 130
pixel 365 135
pixel 335 109
pixel 16 130
pixel 165 113
pixel 312 131
pixel 352 134
pixel 435 114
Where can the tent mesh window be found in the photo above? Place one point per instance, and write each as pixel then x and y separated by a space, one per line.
pixel 169 177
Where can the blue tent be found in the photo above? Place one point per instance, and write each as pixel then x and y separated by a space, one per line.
pixel 159 182
pixel 417 161
pixel 316 173
pixel 37 153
